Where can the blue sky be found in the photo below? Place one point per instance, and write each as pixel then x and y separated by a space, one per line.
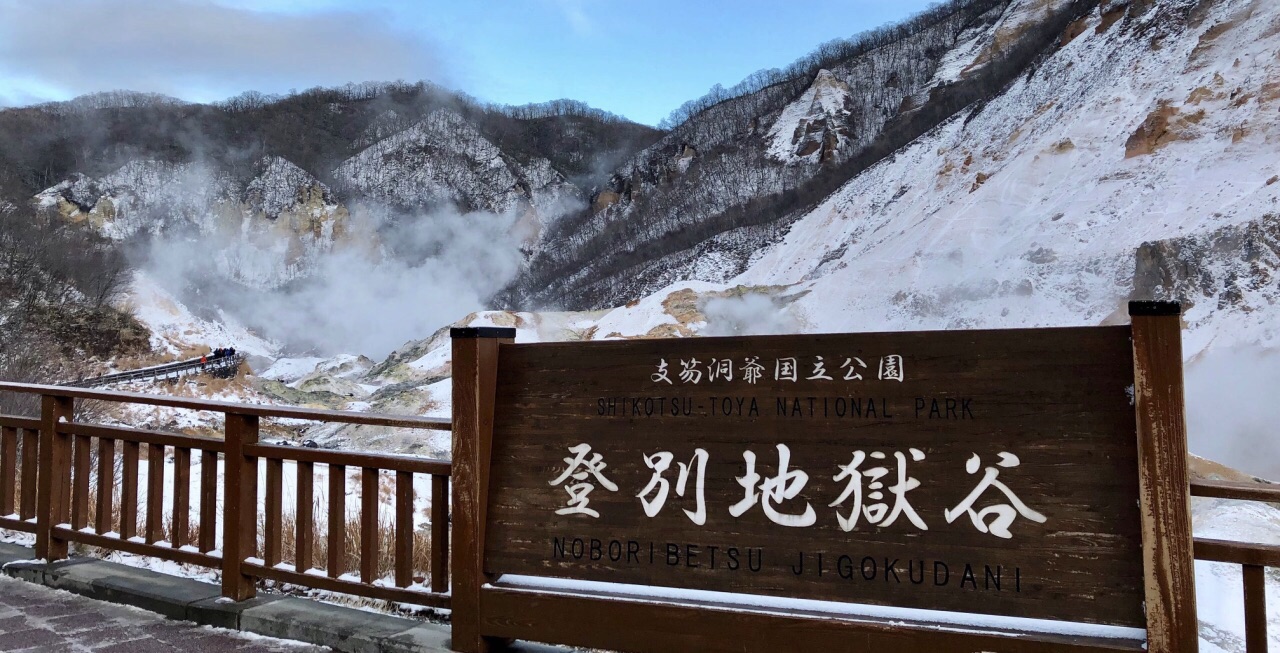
pixel 639 59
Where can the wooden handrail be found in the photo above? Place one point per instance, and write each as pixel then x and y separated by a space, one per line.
pixel 1240 553
pixel 349 458
pixel 313 414
pixel 1265 492
pixel 142 436
pixel 57 501
pixel 14 421
pixel 1253 558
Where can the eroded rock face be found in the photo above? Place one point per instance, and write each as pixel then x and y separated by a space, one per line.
pixel 263 233
pixel 816 125
pixel 1233 267
pixel 141 197
pixel 1163 126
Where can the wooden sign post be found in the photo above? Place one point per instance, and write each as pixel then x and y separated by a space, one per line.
pixel 1017 490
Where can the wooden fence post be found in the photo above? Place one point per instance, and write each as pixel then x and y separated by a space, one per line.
pixel 1163 479
pixel 54 479
pixel 475 375
pixel 240 506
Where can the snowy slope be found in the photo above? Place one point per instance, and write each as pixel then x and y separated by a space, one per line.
pixel 1034 210
pixel 813 127
pixel 1030 211
pixel 175 330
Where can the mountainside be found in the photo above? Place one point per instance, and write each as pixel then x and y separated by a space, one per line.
pixel 271 182
pixel 994 164
pixel 1135 159
pixel 726 180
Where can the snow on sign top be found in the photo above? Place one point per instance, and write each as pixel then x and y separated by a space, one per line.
pixel 990 472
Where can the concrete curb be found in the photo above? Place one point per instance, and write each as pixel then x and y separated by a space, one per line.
pixel 342 629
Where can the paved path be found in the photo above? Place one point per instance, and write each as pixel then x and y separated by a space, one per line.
pixel 35 618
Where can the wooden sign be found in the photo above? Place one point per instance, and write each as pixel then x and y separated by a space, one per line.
pixel 982 472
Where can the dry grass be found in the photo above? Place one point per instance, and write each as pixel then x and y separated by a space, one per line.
pixel 351 537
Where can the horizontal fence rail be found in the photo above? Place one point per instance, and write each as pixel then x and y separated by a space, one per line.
pixel 106 486
pixel 1252 558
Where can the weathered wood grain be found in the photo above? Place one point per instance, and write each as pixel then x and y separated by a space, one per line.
pixel 53 483
pixel 304 526
pixel 475 370
pixel 240 506
pixel 615 623
pixel 8 468
pixel 106 483
pixel 181 496
pixel 1167 548
pixel 1059 399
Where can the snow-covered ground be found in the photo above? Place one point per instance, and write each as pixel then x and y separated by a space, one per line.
pixel 175 329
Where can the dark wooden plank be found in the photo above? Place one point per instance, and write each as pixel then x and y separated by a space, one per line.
pixel 439 533
pixel 368 524
pixel 1240 491
pixel 30 467
pixel 351 458
pixel 8 468
pixel 615 623
pixel 138 548
pixel 475 371
pixel 349 587
pixel 404 529
pixel 304 522
pixel 1255 609
pixel 1240 553
pixel 273 536
pixel 208 501
pixel 155 493
pixel 17 525
pixel 337 534
pixel 1046 414
pixel 106 484
pixel 81 465
pixel 371 419
pixel 240 506
pixel 141 436
pixel 15 422
pixel 129 489
pixel 54 481
pixel 1164 478
pixel 181 497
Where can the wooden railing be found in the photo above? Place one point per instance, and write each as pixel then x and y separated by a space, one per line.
pixel 58 483
pixel 59 480
pixel 1253 558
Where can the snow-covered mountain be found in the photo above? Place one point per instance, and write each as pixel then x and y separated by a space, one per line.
pixel 897 187
pixel 743 160
pixel 1135 159
pixel 443 159
pixel 366 157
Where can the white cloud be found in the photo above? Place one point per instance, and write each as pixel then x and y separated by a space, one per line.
pixel 196 49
